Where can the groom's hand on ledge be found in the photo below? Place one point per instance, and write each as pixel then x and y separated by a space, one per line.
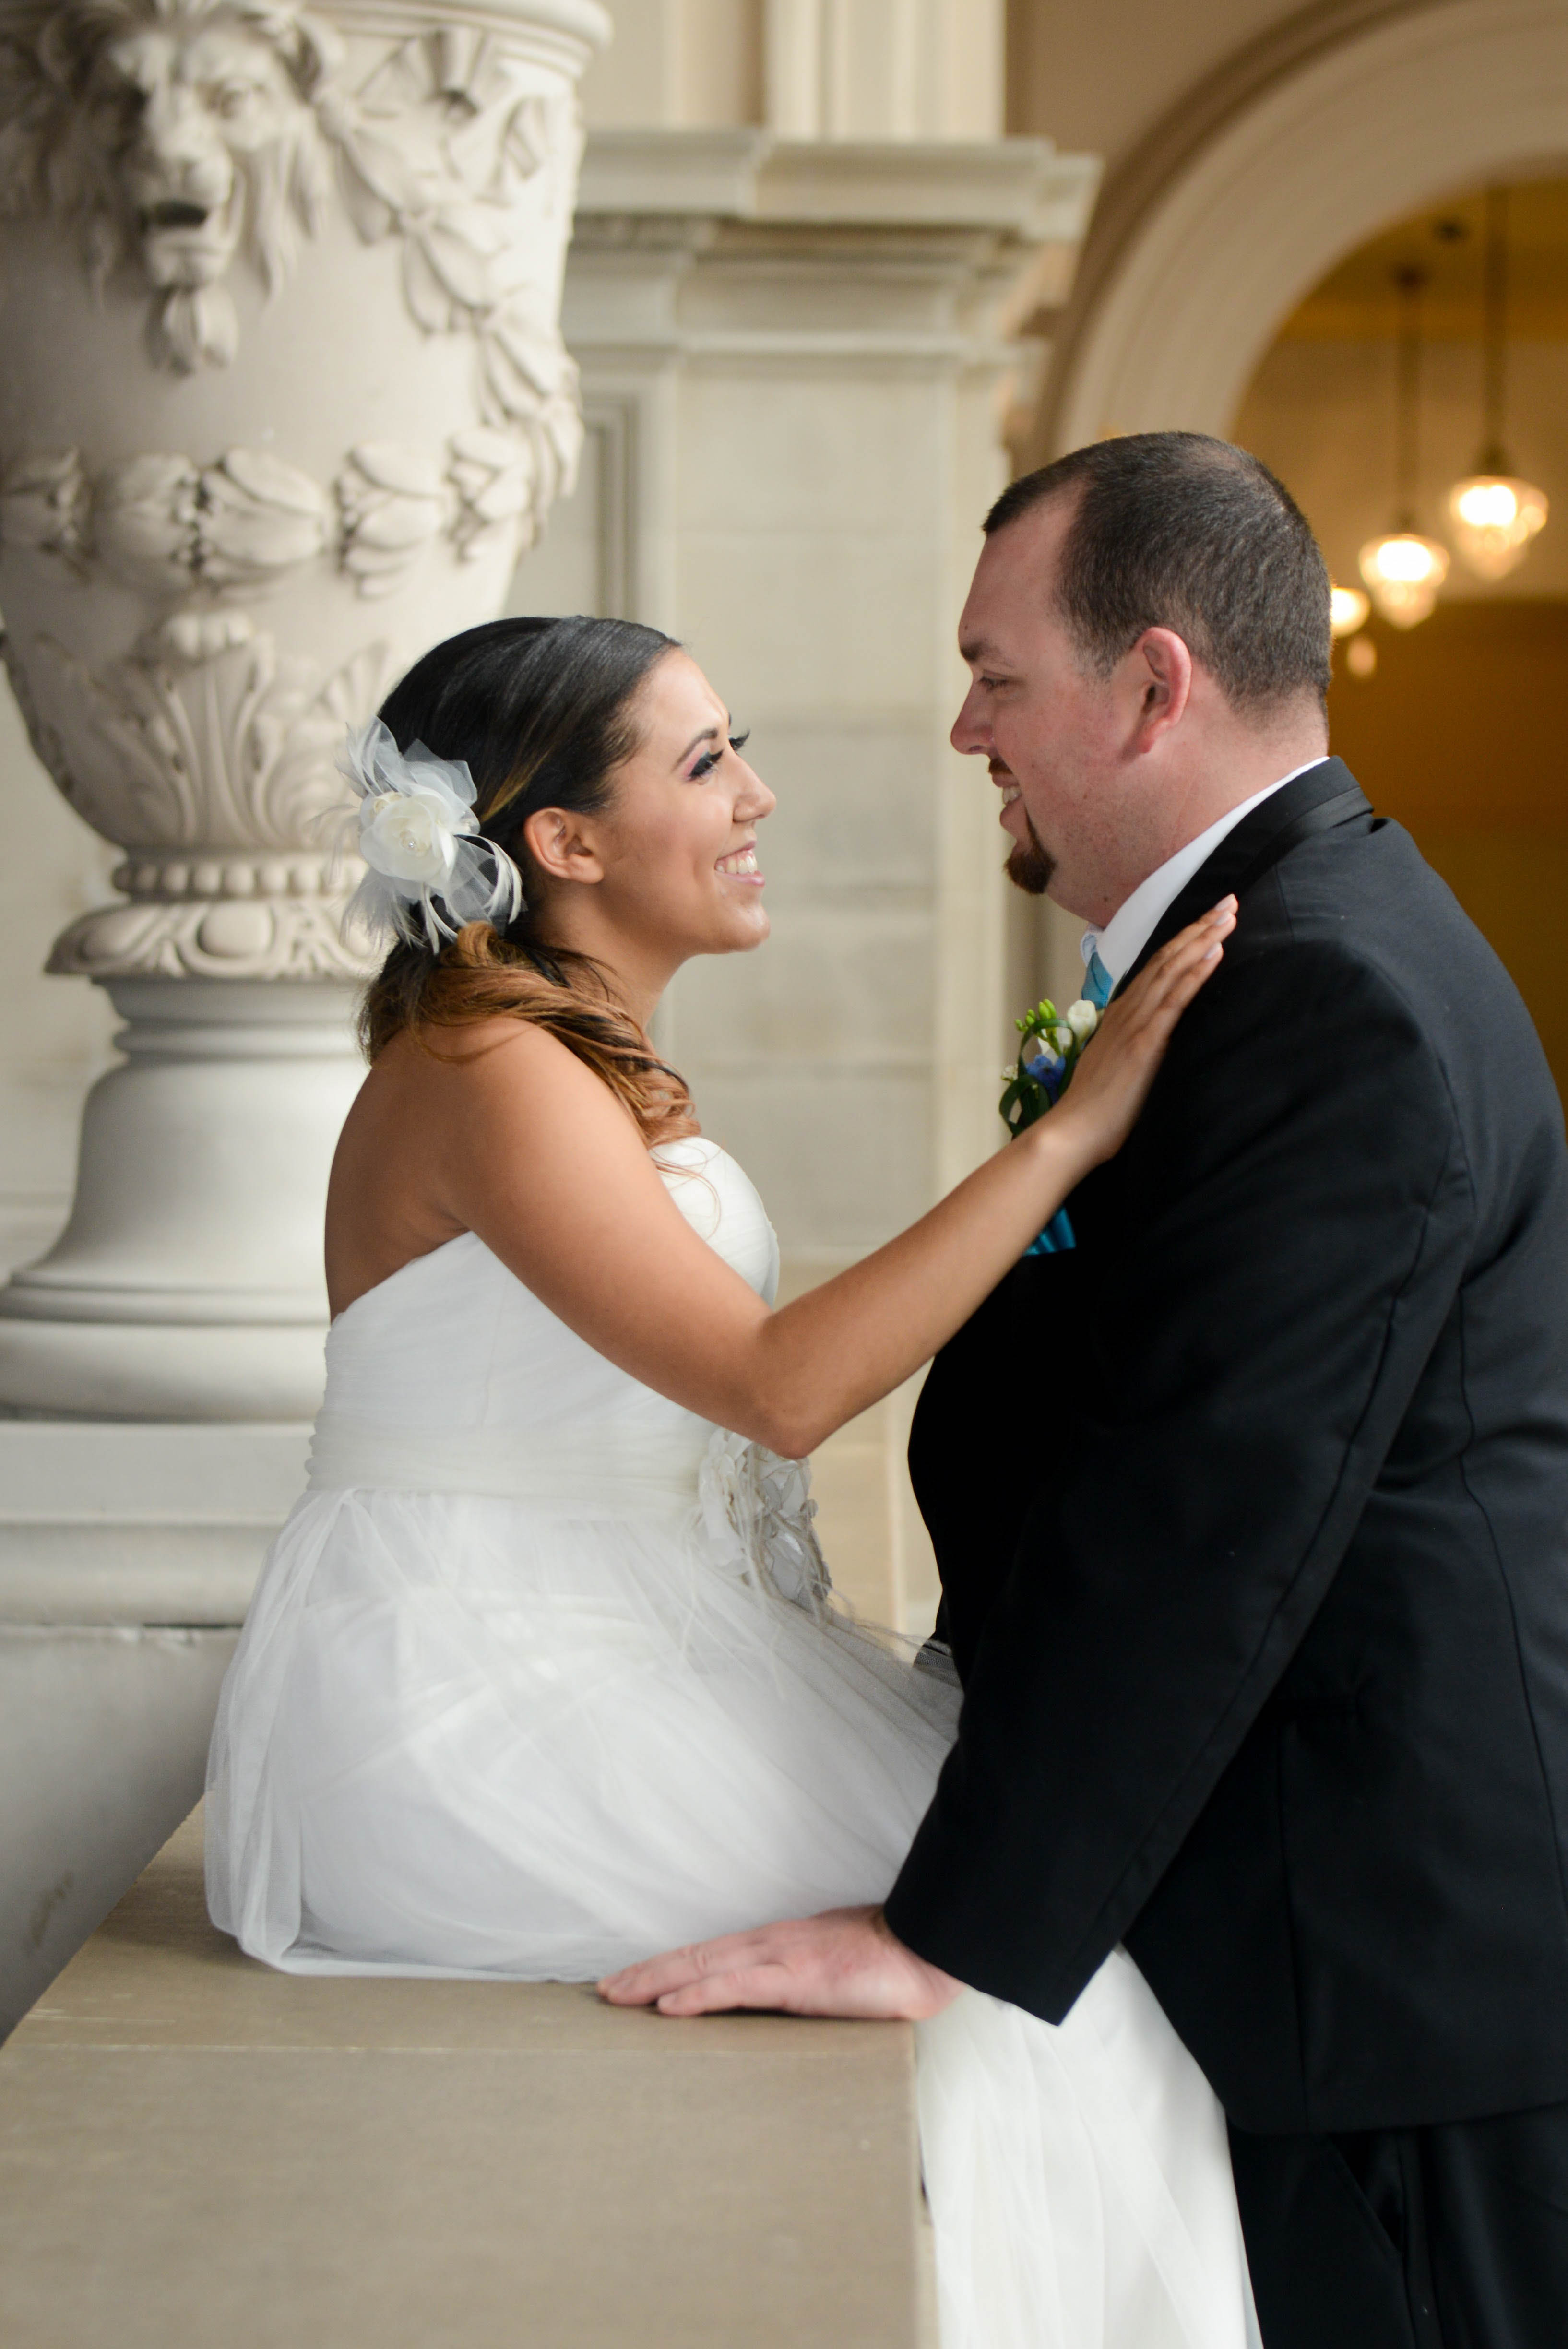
pixel 847 1963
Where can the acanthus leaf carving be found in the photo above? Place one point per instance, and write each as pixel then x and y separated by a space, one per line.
pixel 204 739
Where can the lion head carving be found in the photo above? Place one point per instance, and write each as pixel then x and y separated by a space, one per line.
pixel 183 131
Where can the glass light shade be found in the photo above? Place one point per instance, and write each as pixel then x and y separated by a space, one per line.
pixel 1404 572
pixel 1347 610
pixel 1495 517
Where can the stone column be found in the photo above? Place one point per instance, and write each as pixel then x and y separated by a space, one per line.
pixel 282 396
pixel 885 68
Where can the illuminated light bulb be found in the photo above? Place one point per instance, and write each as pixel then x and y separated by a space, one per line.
pixel 1404 572
pixel 1347 610
pixel 1361 658
pixel 1495 517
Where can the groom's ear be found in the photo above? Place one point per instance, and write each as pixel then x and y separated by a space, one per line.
pixel 1160 667
pixel 561 847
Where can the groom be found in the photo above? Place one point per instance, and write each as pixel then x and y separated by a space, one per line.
pixel 1260 1596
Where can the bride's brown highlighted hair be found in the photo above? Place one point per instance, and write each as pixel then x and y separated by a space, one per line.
pixel 541 712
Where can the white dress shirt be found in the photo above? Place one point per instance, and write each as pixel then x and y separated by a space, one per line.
pixel 1133 924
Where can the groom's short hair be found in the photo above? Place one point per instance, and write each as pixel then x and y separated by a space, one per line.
pixel 1176 530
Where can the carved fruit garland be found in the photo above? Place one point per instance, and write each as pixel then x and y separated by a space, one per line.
pixel 171 527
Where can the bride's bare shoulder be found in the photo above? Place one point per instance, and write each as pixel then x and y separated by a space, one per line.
pixel 499 1084
pixel 499 1051
pixel 444 1125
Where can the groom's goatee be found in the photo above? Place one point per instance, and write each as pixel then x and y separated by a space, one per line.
pixel 1031 865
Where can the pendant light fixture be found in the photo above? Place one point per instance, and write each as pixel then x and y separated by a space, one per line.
pixel 1404 570
pixel 1494 513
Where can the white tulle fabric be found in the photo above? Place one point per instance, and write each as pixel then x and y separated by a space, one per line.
pixel 543 1674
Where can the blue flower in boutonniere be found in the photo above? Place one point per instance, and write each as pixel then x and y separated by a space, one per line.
pixel 1048 1052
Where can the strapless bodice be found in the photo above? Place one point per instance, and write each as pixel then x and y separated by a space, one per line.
pixel 452 1375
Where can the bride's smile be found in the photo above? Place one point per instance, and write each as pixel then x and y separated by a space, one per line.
pixel 668 869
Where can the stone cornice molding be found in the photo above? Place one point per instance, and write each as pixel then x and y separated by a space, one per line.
pixel 1023 186
pixel 1019 186
pixel 669 174
pixel 948 247
pixel 1257 180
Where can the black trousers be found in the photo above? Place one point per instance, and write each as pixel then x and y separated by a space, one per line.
pixel 1453 2236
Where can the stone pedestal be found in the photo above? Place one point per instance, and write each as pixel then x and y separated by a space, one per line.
pixel 188 1283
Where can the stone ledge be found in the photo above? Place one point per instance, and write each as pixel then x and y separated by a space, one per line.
pixel 196 2150
pixel 112 1521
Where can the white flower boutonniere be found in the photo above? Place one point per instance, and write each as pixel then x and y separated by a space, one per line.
pixel 1052 1042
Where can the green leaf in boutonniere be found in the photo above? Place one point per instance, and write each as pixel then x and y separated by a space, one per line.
pixel 1051 1042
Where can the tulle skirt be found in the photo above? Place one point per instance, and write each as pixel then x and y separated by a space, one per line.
pixel 463 1736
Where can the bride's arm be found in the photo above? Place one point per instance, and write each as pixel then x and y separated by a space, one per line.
pixel 538 1158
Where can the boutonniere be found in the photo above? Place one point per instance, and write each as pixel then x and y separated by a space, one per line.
pixel 1048 1053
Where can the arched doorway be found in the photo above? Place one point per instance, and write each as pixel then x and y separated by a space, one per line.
pixel 1453 726
pixel 1315 159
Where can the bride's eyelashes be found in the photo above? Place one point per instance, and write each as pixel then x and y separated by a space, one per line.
pixel 710 759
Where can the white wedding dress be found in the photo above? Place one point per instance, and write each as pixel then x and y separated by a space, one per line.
pixel 543 1676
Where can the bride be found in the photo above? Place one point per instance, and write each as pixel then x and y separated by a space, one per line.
pixel 544 1673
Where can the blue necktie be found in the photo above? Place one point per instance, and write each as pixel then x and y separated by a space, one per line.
pixel 1058 1234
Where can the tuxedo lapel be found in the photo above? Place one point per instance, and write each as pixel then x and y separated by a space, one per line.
pixel 1325 796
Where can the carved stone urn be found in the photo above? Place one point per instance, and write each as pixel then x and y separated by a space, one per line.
pixel 282 397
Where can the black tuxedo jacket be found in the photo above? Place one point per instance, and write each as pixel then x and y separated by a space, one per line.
pixel 1260 1591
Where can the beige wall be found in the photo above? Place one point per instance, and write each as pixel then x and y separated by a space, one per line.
pixel 1100 78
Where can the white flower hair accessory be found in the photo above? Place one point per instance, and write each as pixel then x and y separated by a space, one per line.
pixel 431 868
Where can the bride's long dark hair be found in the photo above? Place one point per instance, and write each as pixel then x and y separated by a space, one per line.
pixel 541 712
